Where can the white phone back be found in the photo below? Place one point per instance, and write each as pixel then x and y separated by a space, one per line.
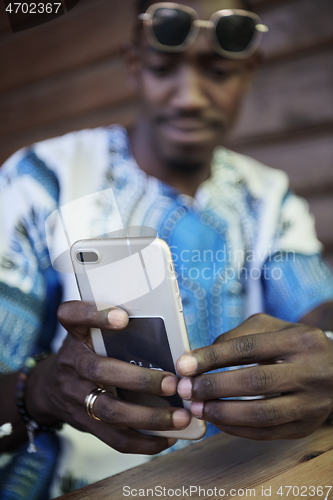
pixel 137 274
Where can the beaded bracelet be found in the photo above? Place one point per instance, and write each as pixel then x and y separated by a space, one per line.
pixel 31 425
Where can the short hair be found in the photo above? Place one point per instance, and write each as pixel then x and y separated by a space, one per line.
pixel 142 5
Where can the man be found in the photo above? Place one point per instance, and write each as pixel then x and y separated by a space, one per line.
pixel 165 174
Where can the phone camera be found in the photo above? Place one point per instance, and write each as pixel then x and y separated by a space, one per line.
pixel 86 257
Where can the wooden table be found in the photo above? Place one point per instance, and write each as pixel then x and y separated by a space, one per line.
pixel 228 467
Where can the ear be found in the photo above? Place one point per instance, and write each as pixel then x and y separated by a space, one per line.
pixel 253 64
pixel 132 62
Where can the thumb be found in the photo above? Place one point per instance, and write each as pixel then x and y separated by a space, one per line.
pixel 227 351
pixel 258 323
pixel 77 317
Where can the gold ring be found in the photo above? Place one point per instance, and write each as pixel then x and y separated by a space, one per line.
pixel 91 400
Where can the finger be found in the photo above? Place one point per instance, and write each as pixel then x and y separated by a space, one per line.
pixel 112 410
pixel 120 413
pixel 258 323
pixel 79 316
pixel 253 381
pixel 128 441
pixel 103 371
pixel 247 349
pixel 256 413
pixel 269 412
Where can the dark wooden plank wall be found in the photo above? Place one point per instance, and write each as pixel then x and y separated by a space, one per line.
pixel 67 75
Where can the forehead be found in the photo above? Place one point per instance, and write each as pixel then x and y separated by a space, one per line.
pixel 205 8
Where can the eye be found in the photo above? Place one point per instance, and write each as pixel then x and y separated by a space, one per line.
pixel 220 72
pixel 160 65
pixel 220 69
pixel 160 69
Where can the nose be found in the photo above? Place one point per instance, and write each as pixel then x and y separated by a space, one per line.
pixel 189 94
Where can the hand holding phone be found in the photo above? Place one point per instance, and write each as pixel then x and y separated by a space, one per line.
pixel 137 275
pixel 71 374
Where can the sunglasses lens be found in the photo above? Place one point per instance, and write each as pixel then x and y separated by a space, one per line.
pixel 171 27
pixel 235 33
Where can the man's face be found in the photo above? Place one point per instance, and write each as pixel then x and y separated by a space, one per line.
pixel 190 99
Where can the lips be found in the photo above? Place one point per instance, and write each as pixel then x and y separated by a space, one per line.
pixel 188 124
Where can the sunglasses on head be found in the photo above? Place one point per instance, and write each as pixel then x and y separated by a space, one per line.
pixel 172 27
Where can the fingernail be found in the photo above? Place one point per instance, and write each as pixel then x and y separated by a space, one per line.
pixel 197 409
pixel 117 318
pixel 169 386
pixel 185 388
pixel 180 419
pixel 172 441
pixel 187 364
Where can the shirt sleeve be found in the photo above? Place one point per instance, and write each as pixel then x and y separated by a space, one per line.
pixel 295 278
pixel 29 287
pixel 295 284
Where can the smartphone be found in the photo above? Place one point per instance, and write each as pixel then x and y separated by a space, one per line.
pixel 137 274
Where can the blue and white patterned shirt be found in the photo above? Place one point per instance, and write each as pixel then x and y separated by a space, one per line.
pixel 244 244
